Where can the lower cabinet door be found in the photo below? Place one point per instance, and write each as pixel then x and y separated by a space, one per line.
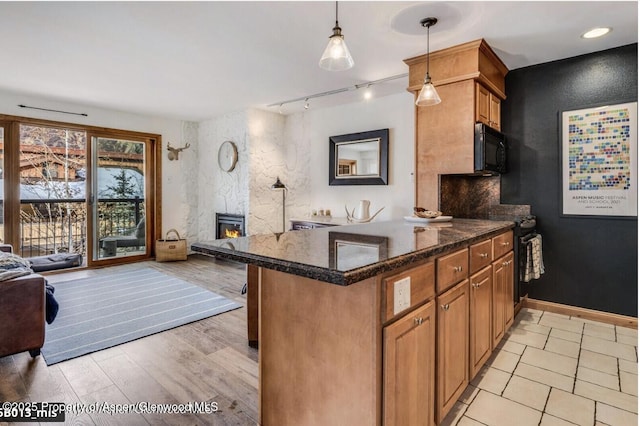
pixel 499 295
pixel 452 338
pixel 409 368
pixel 509 284
pixel 480 339
pixel 503 281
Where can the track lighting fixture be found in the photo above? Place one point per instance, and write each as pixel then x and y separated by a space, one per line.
pixel 367 92
pixel 366 85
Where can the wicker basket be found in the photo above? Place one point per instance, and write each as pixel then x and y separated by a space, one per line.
pixel 171 249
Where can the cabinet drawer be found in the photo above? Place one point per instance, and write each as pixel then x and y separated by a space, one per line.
pixel 452 268
pixel 407 289
pixel 502 244
pixel 480 255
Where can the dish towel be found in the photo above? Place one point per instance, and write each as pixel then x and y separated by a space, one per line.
pixel 534 266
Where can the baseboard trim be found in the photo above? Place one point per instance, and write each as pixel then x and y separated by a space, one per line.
pixel 574 311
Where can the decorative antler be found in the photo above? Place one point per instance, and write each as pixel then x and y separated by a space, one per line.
pixel 174 152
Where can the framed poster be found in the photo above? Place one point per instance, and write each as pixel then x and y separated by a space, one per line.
pixel 600 161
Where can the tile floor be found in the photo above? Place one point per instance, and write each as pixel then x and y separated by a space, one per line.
pixel 554 370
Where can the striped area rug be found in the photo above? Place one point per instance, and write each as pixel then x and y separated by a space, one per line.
pixel 110 309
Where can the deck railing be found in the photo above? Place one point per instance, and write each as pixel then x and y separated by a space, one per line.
pixel 60 226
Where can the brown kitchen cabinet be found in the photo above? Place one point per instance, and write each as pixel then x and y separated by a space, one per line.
pixel 420 281
pixel 480 305
pixel 469 79
pixel 452 375
pixel 480 255
pixel 487 107
pixel 452 268
pixel 502 244
pixel 409 369
pixel 382 363
pixel 502 296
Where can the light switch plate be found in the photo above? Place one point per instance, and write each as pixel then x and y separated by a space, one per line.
pixel 401 295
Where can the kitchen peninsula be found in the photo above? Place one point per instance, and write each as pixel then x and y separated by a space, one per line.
pixel 347 317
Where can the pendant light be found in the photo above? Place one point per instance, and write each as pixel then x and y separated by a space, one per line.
pixel 428 95
pixel 336 56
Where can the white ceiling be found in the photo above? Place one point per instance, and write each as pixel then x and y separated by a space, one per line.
pixel 197 60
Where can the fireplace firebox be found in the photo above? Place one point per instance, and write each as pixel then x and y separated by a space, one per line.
pixel 229 225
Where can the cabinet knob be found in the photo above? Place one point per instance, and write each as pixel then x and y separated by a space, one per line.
pixel 418 321
pixel 457 268
pixel 445 307
pixel 475 285
pixel 506 243
pixel 484 255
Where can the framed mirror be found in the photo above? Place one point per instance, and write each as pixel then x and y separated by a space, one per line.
pixel 359 158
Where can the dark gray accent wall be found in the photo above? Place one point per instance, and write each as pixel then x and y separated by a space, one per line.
pixel 590 262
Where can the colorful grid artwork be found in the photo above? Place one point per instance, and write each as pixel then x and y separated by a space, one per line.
pixel 599 161
pixel 599 150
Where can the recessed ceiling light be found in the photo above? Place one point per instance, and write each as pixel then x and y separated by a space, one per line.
pixel 596 32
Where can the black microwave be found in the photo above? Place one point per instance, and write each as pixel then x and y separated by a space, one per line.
pixel 490 150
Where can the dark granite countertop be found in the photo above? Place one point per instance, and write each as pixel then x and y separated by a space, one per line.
pixel 347 254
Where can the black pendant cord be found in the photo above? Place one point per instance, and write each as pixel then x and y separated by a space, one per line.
pixel 55 110
pixel 428 53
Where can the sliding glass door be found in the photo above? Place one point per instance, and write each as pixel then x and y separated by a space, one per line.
pixel 52 181
pixel 72 189
pixel 118 197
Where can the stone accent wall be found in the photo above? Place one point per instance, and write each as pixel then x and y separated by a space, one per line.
pixel 263 155
pixel 219 191
pixel 266 162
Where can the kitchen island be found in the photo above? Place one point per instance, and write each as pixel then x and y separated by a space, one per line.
pixel 347 317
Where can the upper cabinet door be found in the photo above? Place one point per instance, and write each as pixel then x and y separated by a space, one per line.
pixel 482 105
pixel 494 111
pixel 487 107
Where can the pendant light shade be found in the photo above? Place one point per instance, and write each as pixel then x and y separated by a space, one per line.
pixel 428 94
pixel 336 56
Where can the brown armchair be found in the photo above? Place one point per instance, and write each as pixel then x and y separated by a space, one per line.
pixel 22 313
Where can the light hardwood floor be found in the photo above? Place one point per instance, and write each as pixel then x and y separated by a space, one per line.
pixel 549 369
pixel 207 360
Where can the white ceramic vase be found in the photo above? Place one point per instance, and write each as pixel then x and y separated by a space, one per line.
pixel 361 214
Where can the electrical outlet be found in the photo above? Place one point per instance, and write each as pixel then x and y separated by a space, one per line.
pixel 401 295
